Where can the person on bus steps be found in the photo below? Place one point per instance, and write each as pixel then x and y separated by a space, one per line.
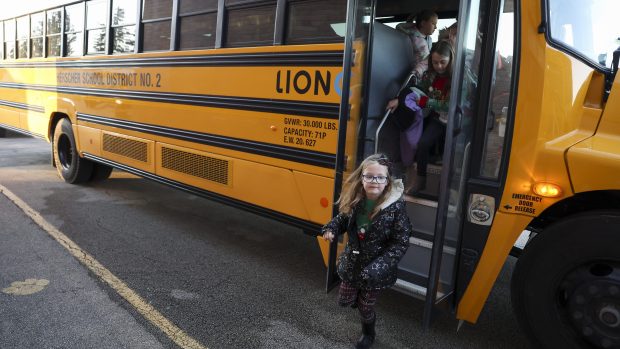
pixel 428 100
pixel 374 215
pixel 431 95
pixel 420 35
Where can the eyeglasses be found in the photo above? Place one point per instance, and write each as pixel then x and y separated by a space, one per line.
pixel 376 179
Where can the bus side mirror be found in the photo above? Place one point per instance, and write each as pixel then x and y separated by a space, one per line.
pixel 614 69
pixel 614 61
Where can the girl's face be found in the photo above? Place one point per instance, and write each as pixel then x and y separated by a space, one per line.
pixel 440 63
pixel 428 27
pixel 375 179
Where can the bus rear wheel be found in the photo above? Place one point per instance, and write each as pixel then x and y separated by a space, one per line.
pixel 2 132
pixel 566 284
pixel 71 167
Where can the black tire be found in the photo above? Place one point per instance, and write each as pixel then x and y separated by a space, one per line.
pixel 101 172
pixel 566 284
pixel 2 132
pixel 70 166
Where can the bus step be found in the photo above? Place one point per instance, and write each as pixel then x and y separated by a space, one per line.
pixel 414 265
pixel 415 290
pixel 422 214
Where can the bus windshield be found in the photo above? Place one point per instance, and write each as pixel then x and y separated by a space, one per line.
pixel 588 27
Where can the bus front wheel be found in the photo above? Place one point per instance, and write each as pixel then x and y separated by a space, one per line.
pixel 566 285
pixel 71 167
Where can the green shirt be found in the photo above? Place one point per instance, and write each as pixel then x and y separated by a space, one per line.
pixel 363 216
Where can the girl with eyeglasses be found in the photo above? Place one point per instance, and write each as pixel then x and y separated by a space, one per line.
pixel 374 215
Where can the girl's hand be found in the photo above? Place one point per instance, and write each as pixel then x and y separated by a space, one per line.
pixel 392 105
pixel 328 235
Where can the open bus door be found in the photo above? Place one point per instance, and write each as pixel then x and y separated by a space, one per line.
pixel 467 200
pixel 439 262
pixel 358 20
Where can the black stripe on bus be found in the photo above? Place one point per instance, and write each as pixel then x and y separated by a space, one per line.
pixel 25 106
pixel 315 58
pixel 314 158
pixel 22 131
pixel 307 226
pixel 309 109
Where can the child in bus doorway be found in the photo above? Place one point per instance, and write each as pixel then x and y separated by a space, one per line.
pixel 431 95
pixel 374 215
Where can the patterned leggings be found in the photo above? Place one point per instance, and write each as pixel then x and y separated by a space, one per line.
pixel 365 300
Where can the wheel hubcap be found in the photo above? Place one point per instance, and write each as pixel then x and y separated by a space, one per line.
pixel 590 299
pixel 65 155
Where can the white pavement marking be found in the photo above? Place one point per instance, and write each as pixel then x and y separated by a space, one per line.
pixel 177 335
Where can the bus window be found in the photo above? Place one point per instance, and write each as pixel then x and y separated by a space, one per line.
pixel 9 39
pixel 250 26
pixel 74 25
pixel 589 28
pixel 156 19
pixel 123 26
pixel 54 20
pixel 23 30
pixel 313 21
pixel 198 20
pixel 2 39
pixel 95 26
pixel 36 34
pixel 500 96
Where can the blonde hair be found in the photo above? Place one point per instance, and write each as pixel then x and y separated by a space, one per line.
pixel 353 192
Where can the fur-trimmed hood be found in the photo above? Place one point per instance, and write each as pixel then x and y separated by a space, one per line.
pixel 398 188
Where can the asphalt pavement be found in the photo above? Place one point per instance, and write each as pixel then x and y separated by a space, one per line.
pixel 227 278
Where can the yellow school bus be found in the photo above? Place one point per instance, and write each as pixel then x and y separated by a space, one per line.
pixel 267 105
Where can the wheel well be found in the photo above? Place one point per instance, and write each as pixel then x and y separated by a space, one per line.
pixel 578 203
pixel 54 119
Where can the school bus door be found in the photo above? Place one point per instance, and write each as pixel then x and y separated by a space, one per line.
pixel 471 179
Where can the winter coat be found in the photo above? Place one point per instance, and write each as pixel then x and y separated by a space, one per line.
pixel 372 263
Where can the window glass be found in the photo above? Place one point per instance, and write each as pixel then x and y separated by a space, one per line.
pixel 36 24
pixel 9 39
pixel 23 31
pixel 53 46
pixel 190 6
pixel 250 26
pixel 74 18
pixel 124 39
pixel 9 49
pixel 9 30
pixel 54 19
pixel 95 41
pixel 500 95
pixel 153 9
pixel 198 31
pixel 22 28
pixel 36 47
pixel 156 36
pixel 315 21
pixel 74 44
pixel 123 12
pixel 589 27
pixel 95 14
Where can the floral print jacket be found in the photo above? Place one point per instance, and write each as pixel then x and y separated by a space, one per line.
pixel 372 263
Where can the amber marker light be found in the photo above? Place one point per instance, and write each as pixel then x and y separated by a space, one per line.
pixel 548 190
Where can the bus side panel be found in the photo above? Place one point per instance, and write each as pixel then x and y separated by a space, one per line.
pixel 551 116
pixel 505 231
pixel 595 163
pixel 35 122
pixel 316 194
pixel 10 117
